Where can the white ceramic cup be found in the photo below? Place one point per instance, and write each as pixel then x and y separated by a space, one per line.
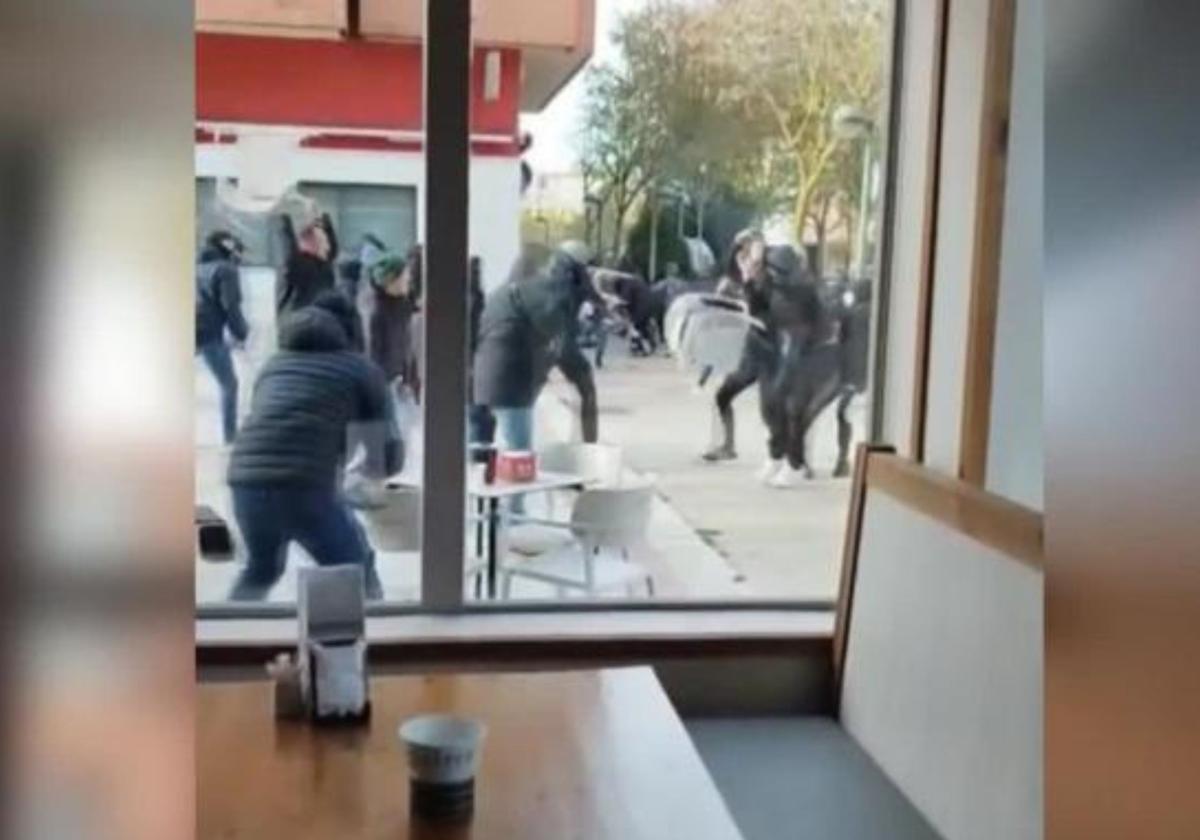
pixel 442 749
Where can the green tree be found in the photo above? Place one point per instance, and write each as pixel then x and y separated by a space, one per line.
pixel 784 67
pixel 622 146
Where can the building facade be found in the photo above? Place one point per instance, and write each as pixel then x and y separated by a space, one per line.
pixel 344 78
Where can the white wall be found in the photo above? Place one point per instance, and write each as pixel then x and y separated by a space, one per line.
pixel 495 202
pixel 1015 455
pixel 966 47
pixel 943 682
pixel 912 172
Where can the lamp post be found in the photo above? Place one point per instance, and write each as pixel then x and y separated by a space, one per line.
pixel 593 222
pixel 851 123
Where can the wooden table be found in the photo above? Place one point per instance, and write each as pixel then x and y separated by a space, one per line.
pixel 588 755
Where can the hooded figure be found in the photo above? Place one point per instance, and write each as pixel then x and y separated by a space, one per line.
pixel 529 326
pixel 754 271
pixel 219 310
pixel 286 467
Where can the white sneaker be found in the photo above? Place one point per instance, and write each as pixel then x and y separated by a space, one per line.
pixel 786 478
pixel 769 470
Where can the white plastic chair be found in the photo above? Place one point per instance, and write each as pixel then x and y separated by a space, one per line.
pixel 593 553
pixel 396 528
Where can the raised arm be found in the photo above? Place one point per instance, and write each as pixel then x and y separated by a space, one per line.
pixel 327 223
pixel 287 236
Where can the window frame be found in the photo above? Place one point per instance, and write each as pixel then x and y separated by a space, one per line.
pixel 447 62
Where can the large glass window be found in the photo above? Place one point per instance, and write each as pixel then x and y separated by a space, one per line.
pixel 662 260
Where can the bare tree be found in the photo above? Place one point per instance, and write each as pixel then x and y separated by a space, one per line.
pixel 785 66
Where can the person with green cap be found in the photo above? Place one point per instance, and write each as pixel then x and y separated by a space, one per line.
pixel 396 286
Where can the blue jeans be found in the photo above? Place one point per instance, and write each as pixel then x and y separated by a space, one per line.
pixel 219 360
pixel 272 516
pixel 515 426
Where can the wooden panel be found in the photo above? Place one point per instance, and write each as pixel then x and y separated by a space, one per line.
pixel 968 509
pixel 597 754
pixel 845 603
pixel 989 225
pixel 943 684
pixel 937 110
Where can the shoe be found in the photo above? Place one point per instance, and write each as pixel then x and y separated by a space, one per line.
pixel 770 470
pixel 842 470
pixel 720 453
pixel 788 477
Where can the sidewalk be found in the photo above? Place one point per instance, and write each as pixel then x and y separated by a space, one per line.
pixel 779 543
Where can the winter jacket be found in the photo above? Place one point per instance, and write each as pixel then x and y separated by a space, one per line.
pixel 522 330
pixel 390 334
pixel 303 275
pixel 218 299
pixel 339 306
pixel 309 396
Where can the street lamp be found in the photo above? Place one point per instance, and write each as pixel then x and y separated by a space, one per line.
pixel 852 123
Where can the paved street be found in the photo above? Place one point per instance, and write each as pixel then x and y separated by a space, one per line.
pixel 779 543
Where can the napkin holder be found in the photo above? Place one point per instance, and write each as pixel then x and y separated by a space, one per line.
pixel 332 650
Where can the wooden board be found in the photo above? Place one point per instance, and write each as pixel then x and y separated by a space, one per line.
pixel 587 754
pixel 989 237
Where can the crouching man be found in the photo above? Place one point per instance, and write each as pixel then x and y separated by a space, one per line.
pixel 285 471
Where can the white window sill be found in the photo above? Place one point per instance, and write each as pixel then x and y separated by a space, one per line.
pixel 594 626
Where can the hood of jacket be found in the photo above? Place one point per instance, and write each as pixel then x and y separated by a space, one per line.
pixel 312 330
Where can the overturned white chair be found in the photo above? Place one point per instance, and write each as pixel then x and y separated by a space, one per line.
pixel 592 552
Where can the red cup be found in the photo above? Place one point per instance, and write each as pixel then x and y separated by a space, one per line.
pixel 516 467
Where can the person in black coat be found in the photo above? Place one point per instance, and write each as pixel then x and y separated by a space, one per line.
pixel 528 327
pixel 308 267
pixel 285 471
pixel 395 287
pixel 219 311
pixel 754 274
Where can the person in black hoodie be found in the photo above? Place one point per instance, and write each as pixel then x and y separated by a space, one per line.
pixel 219 310
pixel 528 327
pixel 308 267
pixel 285 471
pixel 396 290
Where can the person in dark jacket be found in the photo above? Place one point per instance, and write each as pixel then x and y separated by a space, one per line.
pixel 389 332
pixel 341 307
pixel 285 471
pixel 308 267
pixel 481 421
pixel 218 311
pixel 528 327
pixel 754 271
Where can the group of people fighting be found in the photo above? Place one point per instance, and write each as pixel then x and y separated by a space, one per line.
pixel 804 350
pixel 325 403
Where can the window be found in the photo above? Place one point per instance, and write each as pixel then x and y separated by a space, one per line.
pixel 607 179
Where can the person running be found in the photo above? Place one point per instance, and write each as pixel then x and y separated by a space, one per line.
pixel 308 266
pixel 285 471
pixel 219 311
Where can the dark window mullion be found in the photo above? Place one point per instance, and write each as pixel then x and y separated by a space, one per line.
pixel 447 161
